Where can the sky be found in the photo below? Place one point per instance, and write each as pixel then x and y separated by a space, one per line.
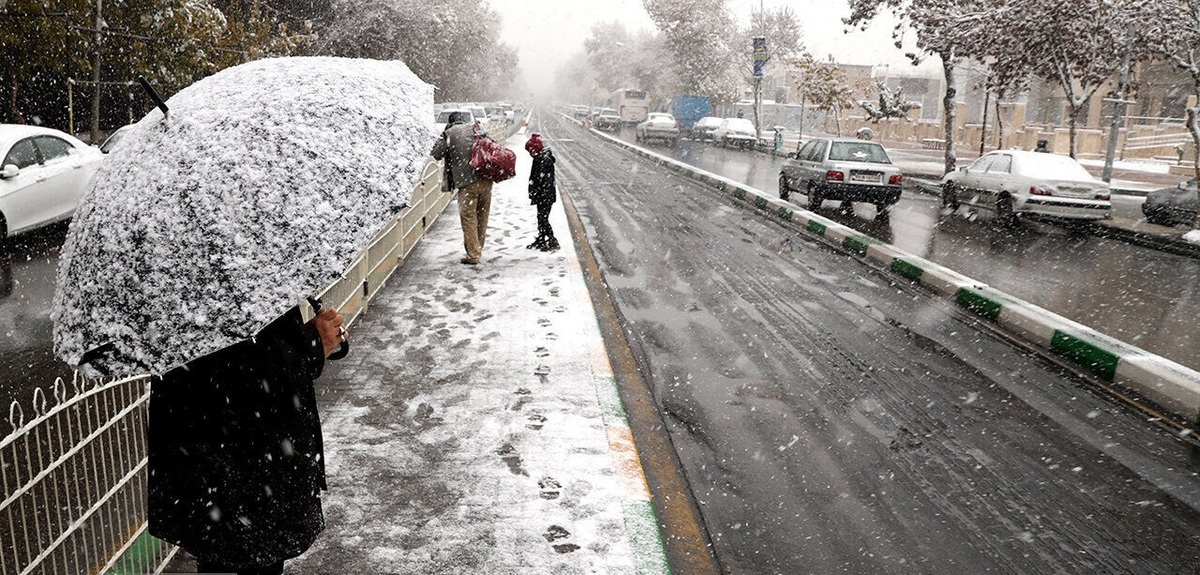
pixel 548 32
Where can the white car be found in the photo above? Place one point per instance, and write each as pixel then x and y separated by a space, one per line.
pixel 658 126
pixel 43 174
pixel 704 127
pixel 735 132
pixel 1011 182
pixel 443 118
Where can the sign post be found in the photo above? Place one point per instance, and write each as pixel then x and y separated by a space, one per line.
pixel 760 61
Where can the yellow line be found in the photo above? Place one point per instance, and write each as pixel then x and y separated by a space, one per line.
pixel 625 456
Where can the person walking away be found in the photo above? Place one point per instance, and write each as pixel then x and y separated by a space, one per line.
pixel 236 459
pixel 1042 146
pixel 542 192
pixel 474 192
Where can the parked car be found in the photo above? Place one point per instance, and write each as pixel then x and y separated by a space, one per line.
pixel 658 126
pixel 443 118
pixel 43 174
pixel 1012 182
pixel 735 132
pixel 1170 206
pixel 843 169
pixel 704 127
pixel 607 119
pixel 113 139
pixel 580 112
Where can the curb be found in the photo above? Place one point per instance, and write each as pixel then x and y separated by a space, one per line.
pixel 641 520
pixel 1170 385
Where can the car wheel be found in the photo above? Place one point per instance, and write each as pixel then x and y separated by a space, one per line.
pixel 950 195
pixel 1004 210
pixel 814 197
pixel 784 191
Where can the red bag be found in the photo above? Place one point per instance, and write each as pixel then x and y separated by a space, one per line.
pixel 492 161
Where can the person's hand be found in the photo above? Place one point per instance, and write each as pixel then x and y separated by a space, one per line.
pixel 329 324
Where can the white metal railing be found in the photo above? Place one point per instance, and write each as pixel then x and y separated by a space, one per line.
pixel 74 481
pixel 1158 141
pixel 74 474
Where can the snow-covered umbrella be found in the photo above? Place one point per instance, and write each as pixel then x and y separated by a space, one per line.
pixel 258 188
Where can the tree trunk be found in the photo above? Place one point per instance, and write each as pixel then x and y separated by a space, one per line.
pixel 1193 122
pixel 999 126
pixel 948 109
pixel 12 101
pixel 1074 125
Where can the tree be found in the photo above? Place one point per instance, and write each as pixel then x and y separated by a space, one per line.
pixel 620 59
pixel 1175 36
pixel 891 104
pixel 695 34
pixel 944 28
pixel 823 84
pixel 37 41
pixel 171 42
pixel 1079 44
pixel 782 28
pixel 452 44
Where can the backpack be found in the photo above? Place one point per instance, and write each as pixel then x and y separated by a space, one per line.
pixel 490 160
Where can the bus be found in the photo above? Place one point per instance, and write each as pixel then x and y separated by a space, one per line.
pixel 632 105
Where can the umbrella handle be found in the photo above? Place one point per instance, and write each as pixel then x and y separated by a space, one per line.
pixel 344 347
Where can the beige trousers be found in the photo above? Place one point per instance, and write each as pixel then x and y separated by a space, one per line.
pixel 474 202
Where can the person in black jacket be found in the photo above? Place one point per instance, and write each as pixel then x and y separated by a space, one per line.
pixel 542 192
pixel 236 459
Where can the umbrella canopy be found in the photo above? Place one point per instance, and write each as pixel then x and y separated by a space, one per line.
pixel 260 187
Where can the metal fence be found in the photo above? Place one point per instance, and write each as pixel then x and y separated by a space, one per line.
pixel 74 473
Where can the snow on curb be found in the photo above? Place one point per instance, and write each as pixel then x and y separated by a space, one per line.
pixel 1170 385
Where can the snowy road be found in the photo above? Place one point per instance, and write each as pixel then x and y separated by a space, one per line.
pixel 832 421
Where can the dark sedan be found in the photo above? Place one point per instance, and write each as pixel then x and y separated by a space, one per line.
pixel 1170 206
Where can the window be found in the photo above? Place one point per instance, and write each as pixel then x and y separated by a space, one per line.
pixel 817 153
pixel 22 154
pixel 52 148
pixel 1002 164
pixel 858 152
pixel 806 150
pixel 981 165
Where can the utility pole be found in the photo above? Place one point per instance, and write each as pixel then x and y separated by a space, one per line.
pixel 96 73
pixel 1114 130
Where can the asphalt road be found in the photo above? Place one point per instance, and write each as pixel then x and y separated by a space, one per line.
pixel 1137 294
pixel 830 420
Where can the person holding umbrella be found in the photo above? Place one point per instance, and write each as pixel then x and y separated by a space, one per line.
pixel 474 192
pixel 236 458
pixel 190 258
pixel 542 192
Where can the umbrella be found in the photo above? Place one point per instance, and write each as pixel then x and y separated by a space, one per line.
pixel 259 186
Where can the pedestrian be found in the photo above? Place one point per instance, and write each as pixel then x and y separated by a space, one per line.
pixel 542 192
pixel 778 139
pixel 236 459
pixel 474 192
pixel 1042 146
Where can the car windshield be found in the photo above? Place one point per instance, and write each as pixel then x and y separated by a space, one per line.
pixel 858 152
pixel 1051 166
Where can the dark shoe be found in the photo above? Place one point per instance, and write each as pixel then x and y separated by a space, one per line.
pixel 535 246
pixel 469 261
pixel 551 247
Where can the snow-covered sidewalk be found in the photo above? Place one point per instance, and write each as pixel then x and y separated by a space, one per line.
pixel 475 427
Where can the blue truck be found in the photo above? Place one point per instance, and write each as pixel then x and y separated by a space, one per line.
pixel 688 109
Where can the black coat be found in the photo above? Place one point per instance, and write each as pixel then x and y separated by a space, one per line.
pixel 235 451
pixel 541 179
